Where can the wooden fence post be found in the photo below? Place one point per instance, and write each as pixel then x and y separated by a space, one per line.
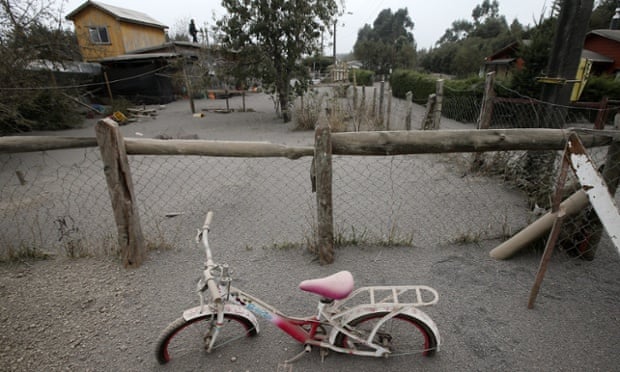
pixel 409 110
pixel 389 110
pixel 427 122
pixel 323 173
pixel 122 195
pixel 486 115
pixel 603 112
pixel 188 86
pixel 381 99
pixel 374 102
pixel 486 111
pixel 438 104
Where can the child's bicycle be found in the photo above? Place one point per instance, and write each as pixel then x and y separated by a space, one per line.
pixel 377 321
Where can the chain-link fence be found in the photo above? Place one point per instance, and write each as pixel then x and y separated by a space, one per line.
pixel 58 202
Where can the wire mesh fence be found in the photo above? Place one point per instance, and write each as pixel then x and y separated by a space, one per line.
pixel 58 202
pixel 55 202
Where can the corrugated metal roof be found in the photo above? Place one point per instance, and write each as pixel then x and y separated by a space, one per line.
pixel 122 14
pixel 608 34
pixel 595 57
pixel 137 57
pixel 502 61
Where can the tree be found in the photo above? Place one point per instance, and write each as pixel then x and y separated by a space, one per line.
pixel 27 35
pixel 463 47
pixel 388 44
pixel 536 55
pixel 602 13
pixel 269 37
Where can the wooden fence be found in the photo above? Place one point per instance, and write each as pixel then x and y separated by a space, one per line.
pixel 115 150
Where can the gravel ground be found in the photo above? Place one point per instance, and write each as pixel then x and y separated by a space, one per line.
pixel 93 315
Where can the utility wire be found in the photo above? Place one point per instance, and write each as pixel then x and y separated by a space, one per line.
pixel 83 85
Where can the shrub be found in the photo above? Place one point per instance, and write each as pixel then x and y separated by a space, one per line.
pixel 308 112
pixel 599 87
pixel 362 77
pixel 403 81
pixel 50 110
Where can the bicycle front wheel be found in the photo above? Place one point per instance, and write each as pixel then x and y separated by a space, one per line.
pixel 402 334
pixel 182 336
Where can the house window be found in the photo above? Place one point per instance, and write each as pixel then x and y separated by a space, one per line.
pixel 99 35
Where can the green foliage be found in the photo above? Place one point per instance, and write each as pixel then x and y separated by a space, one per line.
pixel 536 56
pixel 318 63
pixel 27 103
pixel 388 44
pixel 462 48
pixel 421 85
pixel 49 110
pixel 268 38
pixel 599 87
pixel 362 77
pixel 602 13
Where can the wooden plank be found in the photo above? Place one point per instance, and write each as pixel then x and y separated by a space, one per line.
pixel 596 189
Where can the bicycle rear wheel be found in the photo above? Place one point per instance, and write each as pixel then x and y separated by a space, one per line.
pixel 188 336
pixel 402 334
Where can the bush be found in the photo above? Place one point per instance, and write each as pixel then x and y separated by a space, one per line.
pixel 362 77
pixel 599 87
pixel 308 112
pixel 403 81
pixel 49 110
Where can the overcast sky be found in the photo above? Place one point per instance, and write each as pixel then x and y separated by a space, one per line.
pixel 431 18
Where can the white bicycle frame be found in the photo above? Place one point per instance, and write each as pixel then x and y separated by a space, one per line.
pixel 225 299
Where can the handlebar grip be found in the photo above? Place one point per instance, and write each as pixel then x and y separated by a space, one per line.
pixel 208 220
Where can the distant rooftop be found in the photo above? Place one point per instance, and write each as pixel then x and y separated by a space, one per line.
pixel 608 34
pixel 122 14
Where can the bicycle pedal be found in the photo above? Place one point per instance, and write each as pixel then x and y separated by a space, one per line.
pixel 285 367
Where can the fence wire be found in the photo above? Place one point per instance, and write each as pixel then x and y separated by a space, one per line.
pixel 58 202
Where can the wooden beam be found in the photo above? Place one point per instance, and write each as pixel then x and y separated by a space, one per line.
pixel 444 141
pixel 358 143
pixel 16 144
pixel 138 146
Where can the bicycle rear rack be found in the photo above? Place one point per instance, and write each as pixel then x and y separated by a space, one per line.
pixel 410 295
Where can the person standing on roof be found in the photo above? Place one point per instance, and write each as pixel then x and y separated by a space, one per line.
pixel 193 31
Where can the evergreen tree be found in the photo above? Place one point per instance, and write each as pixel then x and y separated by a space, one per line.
pixel 388 44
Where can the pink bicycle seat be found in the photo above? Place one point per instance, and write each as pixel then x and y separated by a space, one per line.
pixel 336 286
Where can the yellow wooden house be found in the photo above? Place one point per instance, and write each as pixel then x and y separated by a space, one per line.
pixel 104 30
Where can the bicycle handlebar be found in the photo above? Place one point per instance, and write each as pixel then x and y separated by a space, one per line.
pixel 208 220
pixel 210 280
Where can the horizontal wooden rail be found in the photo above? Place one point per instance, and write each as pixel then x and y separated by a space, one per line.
pixel 13 144
pixel 139 146
pixel 354 143
pixel 446 141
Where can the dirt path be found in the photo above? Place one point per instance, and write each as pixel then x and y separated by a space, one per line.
pixel 92 315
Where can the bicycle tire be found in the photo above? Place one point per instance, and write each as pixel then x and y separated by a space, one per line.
pixel 185 336
pixel 402 334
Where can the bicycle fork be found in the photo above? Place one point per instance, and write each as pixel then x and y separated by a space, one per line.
pixel 214 329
